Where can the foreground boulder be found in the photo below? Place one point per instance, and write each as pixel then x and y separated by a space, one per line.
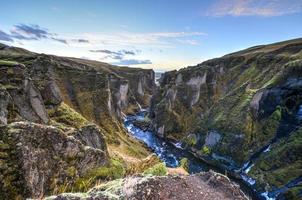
pixel 37 159
pixel 208 185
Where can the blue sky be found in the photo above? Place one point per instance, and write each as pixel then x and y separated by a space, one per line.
pixel 158 34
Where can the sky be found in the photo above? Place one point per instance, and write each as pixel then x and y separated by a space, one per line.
pixel 159 34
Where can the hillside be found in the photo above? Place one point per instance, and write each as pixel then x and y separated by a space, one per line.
pixel 61 118
pixel 241 112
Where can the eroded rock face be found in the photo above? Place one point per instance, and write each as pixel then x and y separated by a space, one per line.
pixel 202 186
pixel 41 157
pixel 25 97
pixel 235 105
pixel 4 101
pixel 96 90
pixel 91 136
pixel 194 83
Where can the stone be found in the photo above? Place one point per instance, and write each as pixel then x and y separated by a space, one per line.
pixel 211 185
pixel 45 155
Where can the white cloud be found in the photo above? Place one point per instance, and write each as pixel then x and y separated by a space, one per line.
pixel 255 7
pixel 158 39
pixel 189 42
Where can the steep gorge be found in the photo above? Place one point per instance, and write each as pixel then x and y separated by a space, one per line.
pixel 229 110
pixel 62 124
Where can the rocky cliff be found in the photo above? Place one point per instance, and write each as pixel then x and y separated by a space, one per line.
pixel 61 122
pixel 243 109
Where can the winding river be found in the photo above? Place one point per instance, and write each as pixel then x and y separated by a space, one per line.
pixel 169 153
pixel 172 153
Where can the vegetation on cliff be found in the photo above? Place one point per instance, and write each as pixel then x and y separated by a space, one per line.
pixel 79 105
pixel 230 108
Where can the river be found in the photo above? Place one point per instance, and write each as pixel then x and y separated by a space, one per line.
pixel 171 153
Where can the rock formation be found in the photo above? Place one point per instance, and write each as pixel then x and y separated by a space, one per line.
pixel 57 117
pixel 35 158
pixel 228 110
pixel 200 186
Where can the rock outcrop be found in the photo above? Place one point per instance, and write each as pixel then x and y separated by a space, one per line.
pixel 32 86
pixel 94 89
pixel 19 93
pixel 36 159
pixel 202 186
pixel 228 109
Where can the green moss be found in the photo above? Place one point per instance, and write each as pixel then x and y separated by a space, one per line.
pixel 184 163
pixel 273 167
pixel 68 116
pixel 229 113
pixel 159 169
pixel 272 123
pixel 8 87
pixel 12 183
pixel 206 150
pixel 8 63
pixel 71 171
pixel 190 140
pixel 114 170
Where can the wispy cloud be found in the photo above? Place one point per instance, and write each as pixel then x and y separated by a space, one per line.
pixel 121 57
pixel 80 40
pixel 158 39
pixel 254 7
pixel 35 32
pixel 189 42
pixel 115 55
pixel 132 62
pixel 59 40
pixel 29 32
pixel 5 37
pixel 119 52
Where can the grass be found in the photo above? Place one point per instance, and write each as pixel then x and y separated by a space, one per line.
pixel 8 63
pixel 184 163
pixel 159 169
pixel 115 169
pixel 206 150
pixel 68 116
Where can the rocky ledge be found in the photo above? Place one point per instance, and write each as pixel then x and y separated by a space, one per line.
pixel 207 185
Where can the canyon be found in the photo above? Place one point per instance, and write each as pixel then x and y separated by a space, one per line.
pixel 80 129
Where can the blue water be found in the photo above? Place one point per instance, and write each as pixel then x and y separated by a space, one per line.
pixel 169 153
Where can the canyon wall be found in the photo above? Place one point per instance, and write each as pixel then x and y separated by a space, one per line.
pixel 61 118
pixel 232 109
